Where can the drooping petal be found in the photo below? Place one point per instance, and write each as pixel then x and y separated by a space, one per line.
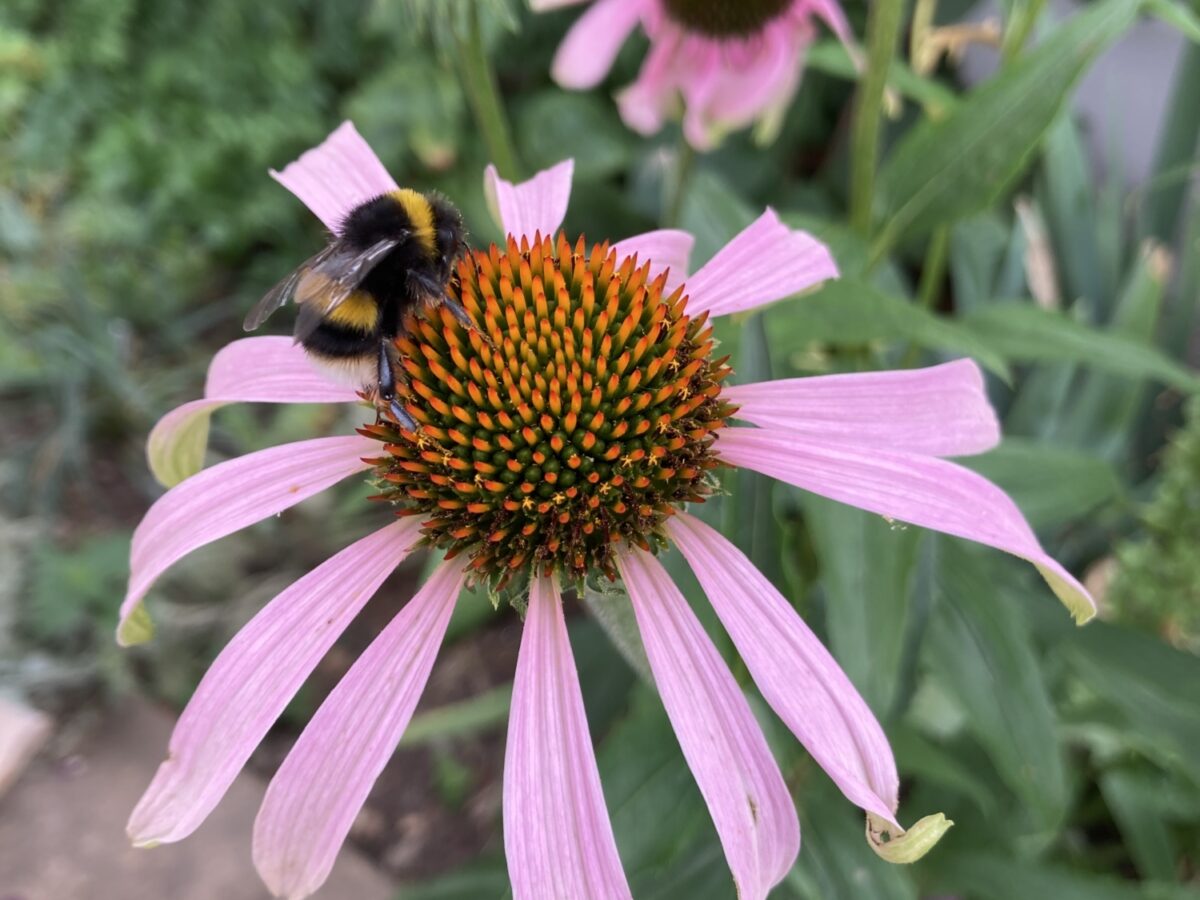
pixel 723 745
pixel 831 12
pixel 645 104
pixel 796 674
pixel 533 206
pixel 668 250
pixel 748 77
pixel 557 835
pixel 228 497
pixel 940 410
pixel 313 798
pixel 255 677
pixel 587 52
pixel 922 490
pixel 337 175
pixel 765 262
pixel 252 370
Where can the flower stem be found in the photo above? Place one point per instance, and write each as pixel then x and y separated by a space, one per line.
pixel 935 267
pixel 685 158
pixel 883 32
pixel 479 84
pixel 932 274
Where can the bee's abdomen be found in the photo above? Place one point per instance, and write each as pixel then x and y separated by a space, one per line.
pixel 358 312
pixel 335 341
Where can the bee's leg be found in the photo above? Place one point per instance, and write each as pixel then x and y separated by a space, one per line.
pixel 436 293
pixel 388 365
pixel 458 311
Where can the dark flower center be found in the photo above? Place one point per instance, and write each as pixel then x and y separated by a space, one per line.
pixel 725 18
pixel 579 411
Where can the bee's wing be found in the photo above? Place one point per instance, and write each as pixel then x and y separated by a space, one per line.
pixel 284 290
pixel 323 287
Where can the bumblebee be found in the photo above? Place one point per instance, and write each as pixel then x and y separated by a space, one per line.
pixel 393 253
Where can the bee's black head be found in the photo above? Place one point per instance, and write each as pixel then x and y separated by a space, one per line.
pixel 450 235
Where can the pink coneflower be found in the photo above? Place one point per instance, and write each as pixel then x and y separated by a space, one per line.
pixel 731 63
pixel 560 437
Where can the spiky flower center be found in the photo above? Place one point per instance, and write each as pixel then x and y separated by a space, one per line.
pixel 725 18
pixel 578 412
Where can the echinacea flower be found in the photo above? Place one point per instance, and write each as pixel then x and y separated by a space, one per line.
pixel 731 63
pixel 559 437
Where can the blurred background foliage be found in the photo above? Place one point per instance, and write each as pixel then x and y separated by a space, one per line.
pixel 137 225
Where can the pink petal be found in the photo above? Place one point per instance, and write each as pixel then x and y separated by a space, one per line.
pixel 668 250
pixel 766 262
pixel 229 496
pixel 796 674
pixel 831 12
pixel 557 836
pixel 255 677
pixel 314 797
pixel 723 745
pixel 941 411
pixel 252 370
pixel 587 52
pixel 536 206
pixel 645 104
pixel 749 78
pixel 921 490
pixel 336 176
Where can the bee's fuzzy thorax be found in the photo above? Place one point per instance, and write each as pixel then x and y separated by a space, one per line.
pixel 417 208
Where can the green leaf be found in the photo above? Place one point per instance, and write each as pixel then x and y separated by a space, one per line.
pixel 749 511
pixel 1140 819
pixel 1022 332
pixel 1177 15
pixel 942 171
pixel 613 611
pixel 832 58
pixel 482 878
pixel 933 763
pixel 835 862
pixel 1052 485
pixel 554 125
pixel 849 313
pixel 994 877
pixel 1066 198
pixel 713 213
pixel 657 813
pixel 1103 413
pixel 1175 155
pixel 977 250
pixel 866 568
pixel 1152 686
pixel 980 649
pixel 477 713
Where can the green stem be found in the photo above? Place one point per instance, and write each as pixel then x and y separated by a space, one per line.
pixel 685 159
pixel 479 84
pixel 1018 30
pixel 934 269
pixel 932 274
pixel 883 32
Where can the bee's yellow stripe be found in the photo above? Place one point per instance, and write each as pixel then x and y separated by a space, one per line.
pixel 358 311
pixel 420 213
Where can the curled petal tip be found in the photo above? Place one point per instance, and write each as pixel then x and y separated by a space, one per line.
pixel 900 846
pixel 135 628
